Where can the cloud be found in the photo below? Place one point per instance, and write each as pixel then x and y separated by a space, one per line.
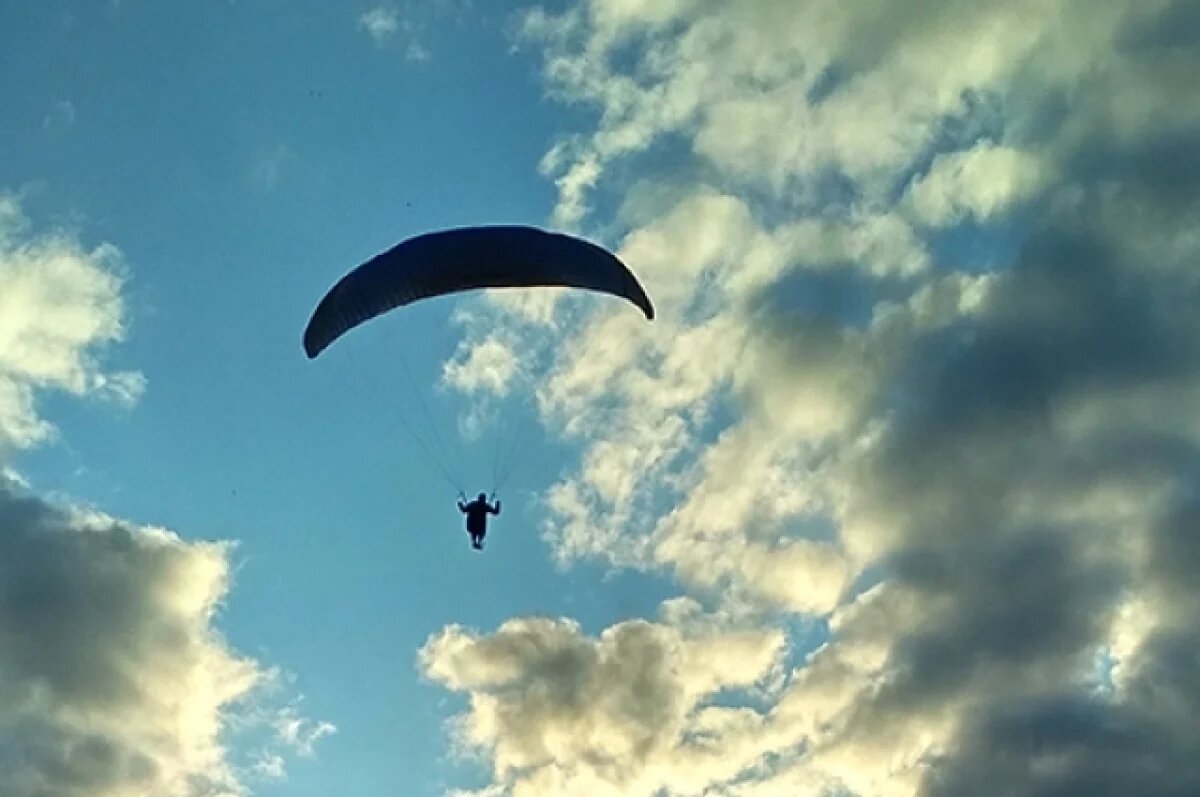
pixel 620 712
pixel 488 366
pixel 922 378
pixel 384 23
pixel 300 733
pixel 113 677
pixel 270 166
pixel 60 303
pixel 777 93
pixel 981 183
pixel 60 117
pixel 114 681
pixel 380 23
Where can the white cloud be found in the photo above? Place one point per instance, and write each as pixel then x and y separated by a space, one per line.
pixel 61 116
pixel 299 733
pixel 60 303
pixel 777 92
pixel 270 766
pixel 380 23
pixel 269 167
pixel 564 713
pixel 384 23
pixel 981 182
pixel 487 367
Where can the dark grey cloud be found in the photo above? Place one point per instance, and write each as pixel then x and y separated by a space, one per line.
pixel 984 461
pixel 111 676
pixel 1069 744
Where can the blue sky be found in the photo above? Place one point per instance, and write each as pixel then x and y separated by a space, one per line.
pixel 908 449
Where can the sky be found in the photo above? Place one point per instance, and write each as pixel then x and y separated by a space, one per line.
pixel 898 494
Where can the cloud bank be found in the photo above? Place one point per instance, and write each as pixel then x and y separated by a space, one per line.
pixel 923 374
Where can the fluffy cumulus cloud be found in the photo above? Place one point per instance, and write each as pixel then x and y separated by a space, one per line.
pixel 923 374
pixel 113 679
pixel 619 714
pixel 59 304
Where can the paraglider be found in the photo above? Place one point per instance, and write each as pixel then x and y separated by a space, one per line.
pixel 463 259
pixel 477 512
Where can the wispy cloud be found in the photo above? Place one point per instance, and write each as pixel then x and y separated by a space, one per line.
pixel 270 166
pixel 60 117
pixel 380 23
pixel 923 372
pixel 385 24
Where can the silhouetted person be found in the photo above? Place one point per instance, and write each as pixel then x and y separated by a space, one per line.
pixel 477 512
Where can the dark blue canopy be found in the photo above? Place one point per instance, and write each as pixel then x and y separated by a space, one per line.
pixel 465 259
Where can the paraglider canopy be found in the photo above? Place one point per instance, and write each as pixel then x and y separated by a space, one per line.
pixel 462 259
